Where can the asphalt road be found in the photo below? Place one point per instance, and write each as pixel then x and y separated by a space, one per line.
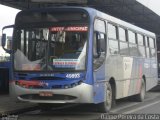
pixel 151 105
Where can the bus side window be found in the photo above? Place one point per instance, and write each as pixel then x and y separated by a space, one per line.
pixel 99 43
pixel 124 50
pixel 147 47
pixel 132 43
pixel 113 39
pixel 152 47
pixel 141 47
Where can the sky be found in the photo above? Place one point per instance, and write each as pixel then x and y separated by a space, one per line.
pixel 7 16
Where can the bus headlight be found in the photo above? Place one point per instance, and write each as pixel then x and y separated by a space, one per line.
pixel 73 84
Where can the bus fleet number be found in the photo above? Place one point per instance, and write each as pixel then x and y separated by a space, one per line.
pixel 73 75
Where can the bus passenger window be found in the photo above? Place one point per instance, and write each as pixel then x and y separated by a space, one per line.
pixel 146 41
pixel 123 44
pixel 140 39
pixel 147 52
pixel 124 48
pixel 132 43
pixel 152 47
pixel 112 32
pixel 131 37
pixel 153 53
pixel 141 48
pixel 122 34
pixel 133 50
pixel 151 43
pixel 113 46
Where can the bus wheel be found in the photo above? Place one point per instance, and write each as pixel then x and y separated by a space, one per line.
pixel 106 105
pixel 140 97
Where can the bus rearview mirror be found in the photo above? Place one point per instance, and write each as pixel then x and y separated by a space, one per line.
pixel 4 39
pixel 9 30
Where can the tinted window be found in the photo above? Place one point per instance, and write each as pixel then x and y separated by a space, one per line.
pixel 51 16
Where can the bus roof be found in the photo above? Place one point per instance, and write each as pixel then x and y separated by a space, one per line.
pixel 95 13
pixel 119 22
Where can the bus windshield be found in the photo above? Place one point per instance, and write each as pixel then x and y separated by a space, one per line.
pixel 55 48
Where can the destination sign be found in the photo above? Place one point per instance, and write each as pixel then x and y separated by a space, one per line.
pixel 71 29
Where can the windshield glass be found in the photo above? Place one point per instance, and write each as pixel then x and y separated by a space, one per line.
pixel 50 40
pixel 53 48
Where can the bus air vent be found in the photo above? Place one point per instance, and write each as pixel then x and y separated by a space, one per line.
pixel 47 78
pixel 54 97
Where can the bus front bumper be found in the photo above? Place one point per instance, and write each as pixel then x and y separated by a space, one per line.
pixel 80 94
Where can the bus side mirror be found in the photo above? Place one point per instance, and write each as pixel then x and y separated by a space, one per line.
pixel 4 40
pixel 97 45
pixel 7 32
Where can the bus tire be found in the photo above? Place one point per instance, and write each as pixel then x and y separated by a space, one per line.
pixel 107 105
pixel 140 97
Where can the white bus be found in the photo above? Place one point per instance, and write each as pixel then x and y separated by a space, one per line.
pixel 116 60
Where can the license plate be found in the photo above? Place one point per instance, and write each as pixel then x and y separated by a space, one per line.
pixel 45 94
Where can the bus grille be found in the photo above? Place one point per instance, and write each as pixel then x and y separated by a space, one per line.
pixel 54 97
pixel 46 78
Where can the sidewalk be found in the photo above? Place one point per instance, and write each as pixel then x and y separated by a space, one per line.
pixel 8 106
